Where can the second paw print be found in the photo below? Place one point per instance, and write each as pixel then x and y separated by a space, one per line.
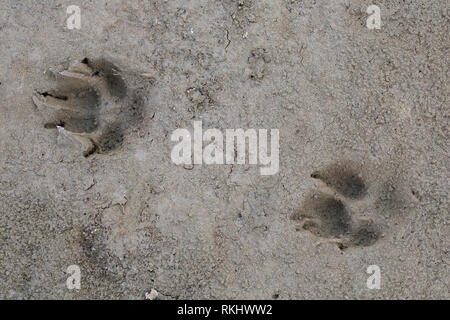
pixel 326 212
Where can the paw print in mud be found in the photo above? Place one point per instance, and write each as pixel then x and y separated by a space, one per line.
pixel 91 105
pixel 326 212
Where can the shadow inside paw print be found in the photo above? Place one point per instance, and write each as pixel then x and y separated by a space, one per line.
pixel 364 233
pixel 343 179
pixel 91 105
pixel 328 217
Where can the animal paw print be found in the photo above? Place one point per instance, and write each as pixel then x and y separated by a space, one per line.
pixel 257 62
pixel 90 105
pixel 326 213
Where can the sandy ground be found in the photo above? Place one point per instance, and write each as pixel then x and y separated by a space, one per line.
pixel 364 167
